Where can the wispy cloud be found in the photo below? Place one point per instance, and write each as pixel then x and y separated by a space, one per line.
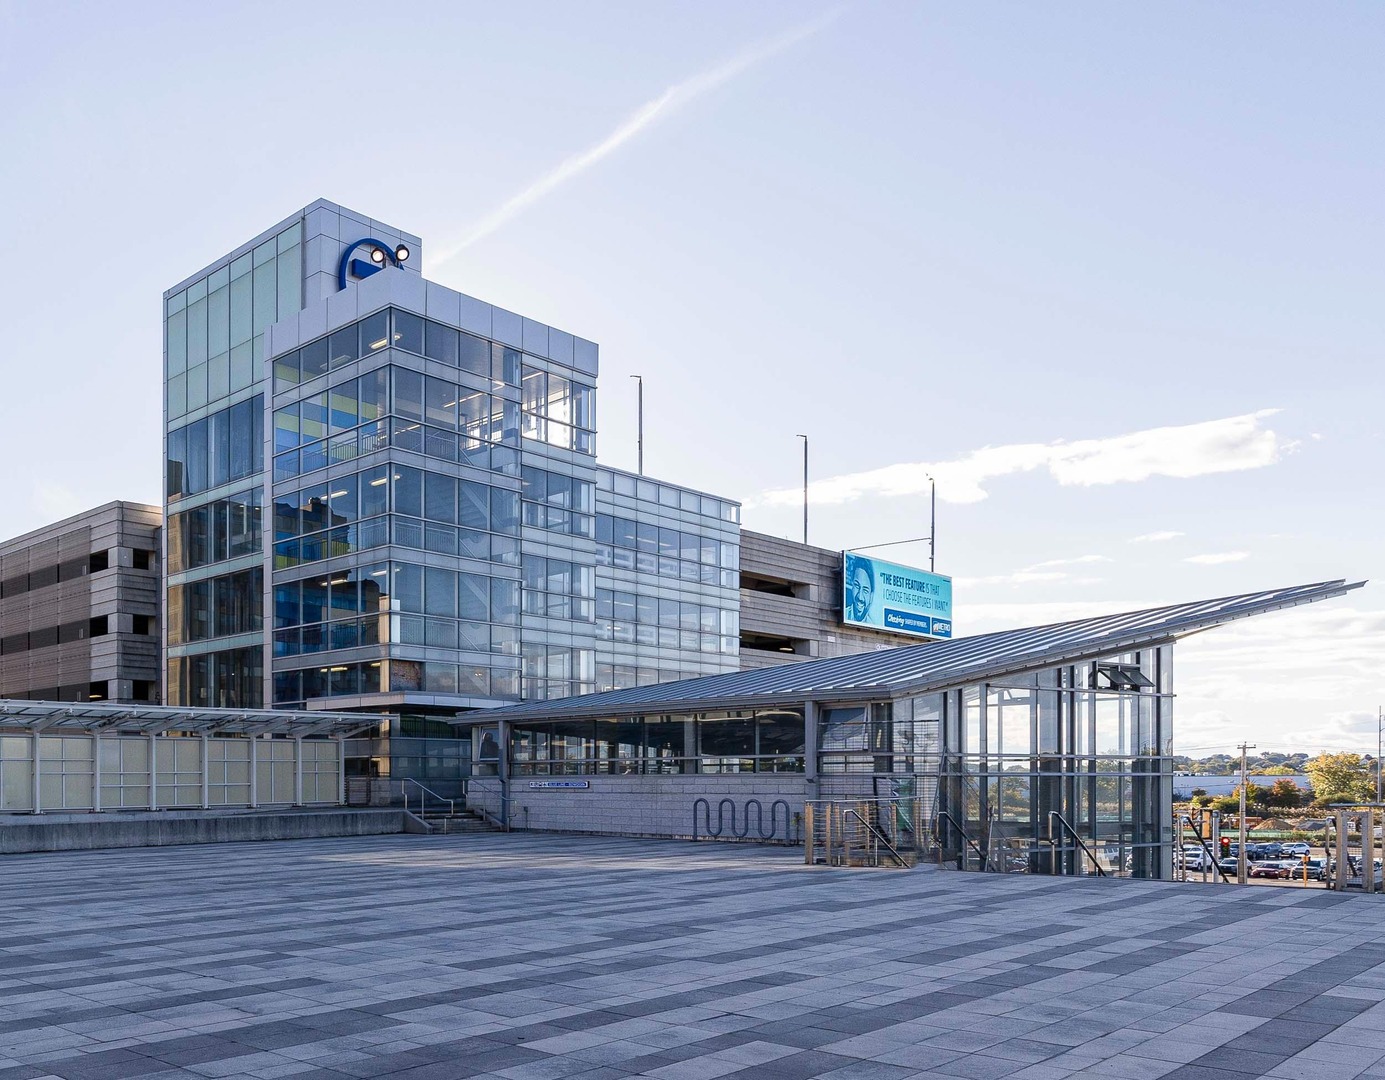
pixel 641 120
pixel 1077 561
pixel 1155 537
pixel 1214 446
pixel 1216 558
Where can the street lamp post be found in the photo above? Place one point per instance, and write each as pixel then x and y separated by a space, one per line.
pixel 639 380
pixel 805 487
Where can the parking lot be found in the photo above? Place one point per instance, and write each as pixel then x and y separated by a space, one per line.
pixel 530 956
pixel 1295 863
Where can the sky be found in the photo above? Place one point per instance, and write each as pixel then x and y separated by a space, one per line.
pixel 1112 276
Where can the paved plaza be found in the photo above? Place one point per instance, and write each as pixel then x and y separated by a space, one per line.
pixel 534 956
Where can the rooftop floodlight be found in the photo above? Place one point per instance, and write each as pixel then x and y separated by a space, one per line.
pixel 381 255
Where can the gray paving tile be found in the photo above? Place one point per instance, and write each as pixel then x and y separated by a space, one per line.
pixel 538 957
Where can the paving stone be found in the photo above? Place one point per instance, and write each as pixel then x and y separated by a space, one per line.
pixel 538 957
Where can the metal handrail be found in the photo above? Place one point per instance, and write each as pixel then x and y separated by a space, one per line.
pixel 424 791
pixel 1207 847
pixel 1052 815
pixel 981 855
pixel 878 834
pixel 478 809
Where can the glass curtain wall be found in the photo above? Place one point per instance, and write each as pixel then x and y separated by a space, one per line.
pixel 1062 771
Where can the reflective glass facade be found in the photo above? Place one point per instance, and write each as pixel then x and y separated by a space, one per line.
pixel 397 505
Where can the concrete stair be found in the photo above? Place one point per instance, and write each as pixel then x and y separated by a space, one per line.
pixel 462 821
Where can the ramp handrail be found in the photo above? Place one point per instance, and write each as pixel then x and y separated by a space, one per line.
pixel 981 855
pixel 878 833
pixel 1054 815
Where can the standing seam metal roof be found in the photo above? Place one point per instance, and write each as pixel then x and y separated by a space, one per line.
pixel 930 666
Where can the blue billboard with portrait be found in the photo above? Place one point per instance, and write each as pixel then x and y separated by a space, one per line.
pixel 886 596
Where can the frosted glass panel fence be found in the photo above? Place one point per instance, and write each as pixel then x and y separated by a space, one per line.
pixel 113 772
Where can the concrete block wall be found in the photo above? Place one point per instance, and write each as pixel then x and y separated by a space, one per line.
pixel 645 805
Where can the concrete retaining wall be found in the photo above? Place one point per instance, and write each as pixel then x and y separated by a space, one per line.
pixel 644 805
pixel 83 832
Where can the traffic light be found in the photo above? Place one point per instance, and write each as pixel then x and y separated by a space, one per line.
pixel 1225 846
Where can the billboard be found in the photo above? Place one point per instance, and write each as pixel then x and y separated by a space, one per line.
pixel 886 596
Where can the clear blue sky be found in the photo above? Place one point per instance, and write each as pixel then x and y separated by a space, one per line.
pixel 1134 251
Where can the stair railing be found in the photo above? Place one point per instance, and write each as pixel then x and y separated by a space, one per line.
pixel 423 793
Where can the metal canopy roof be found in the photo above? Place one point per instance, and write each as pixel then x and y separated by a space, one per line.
pixel 928 667
pixel 103 716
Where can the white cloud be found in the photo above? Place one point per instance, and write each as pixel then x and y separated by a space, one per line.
pixel 1019 577
pixel 1077 561
pixel 1216 558
pixel 642 119
pixel 1213 446
pixel 1155 537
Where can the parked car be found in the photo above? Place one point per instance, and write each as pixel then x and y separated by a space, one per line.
pixel 1269 870
pixel 1271 850
pixel 1296 848
pixel 1229 865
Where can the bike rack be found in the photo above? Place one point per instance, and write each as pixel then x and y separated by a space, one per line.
pixel 744 831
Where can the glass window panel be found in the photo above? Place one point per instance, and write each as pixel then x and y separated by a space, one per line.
pixel 439 498
pixel 559 399
pixel 440 592
pixel 407 583
pixel 473 597
pixel 342 500
pixel 286 372
pixel 314 358
pixel 343 407
pixel 473 414
pixel 343 346
pixel 440 343
pixel 244 437
pixel 408 393
pixel 374 491
pixel 407 491
pixel 265 297
pixel 473 500
pixel 408 331
pixel 374 333
pixel 373 394
pixel 440 403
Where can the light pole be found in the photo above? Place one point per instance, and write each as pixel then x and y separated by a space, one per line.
pixel 932 523
pixel 639 379
pixel 1242 865
pixel 1379 738
pixel 805 487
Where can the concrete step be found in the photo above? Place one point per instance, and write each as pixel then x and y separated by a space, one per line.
pixel 463 822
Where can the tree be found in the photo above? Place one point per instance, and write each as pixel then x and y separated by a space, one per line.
pixel 1284 793
pixel 1226 804
pixel 1340 778
pixel 1197 792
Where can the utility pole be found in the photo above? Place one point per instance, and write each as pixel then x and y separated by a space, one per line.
pixel 805 487
pixel 1379 729
pixel 932 523
pixel 1242 863
pixel 639 379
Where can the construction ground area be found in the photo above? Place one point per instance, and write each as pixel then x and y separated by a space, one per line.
pixel 543 956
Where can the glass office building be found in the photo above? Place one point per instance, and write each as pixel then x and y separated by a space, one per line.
pixel 383 494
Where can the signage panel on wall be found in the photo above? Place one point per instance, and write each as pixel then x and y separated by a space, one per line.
pixel 886 596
